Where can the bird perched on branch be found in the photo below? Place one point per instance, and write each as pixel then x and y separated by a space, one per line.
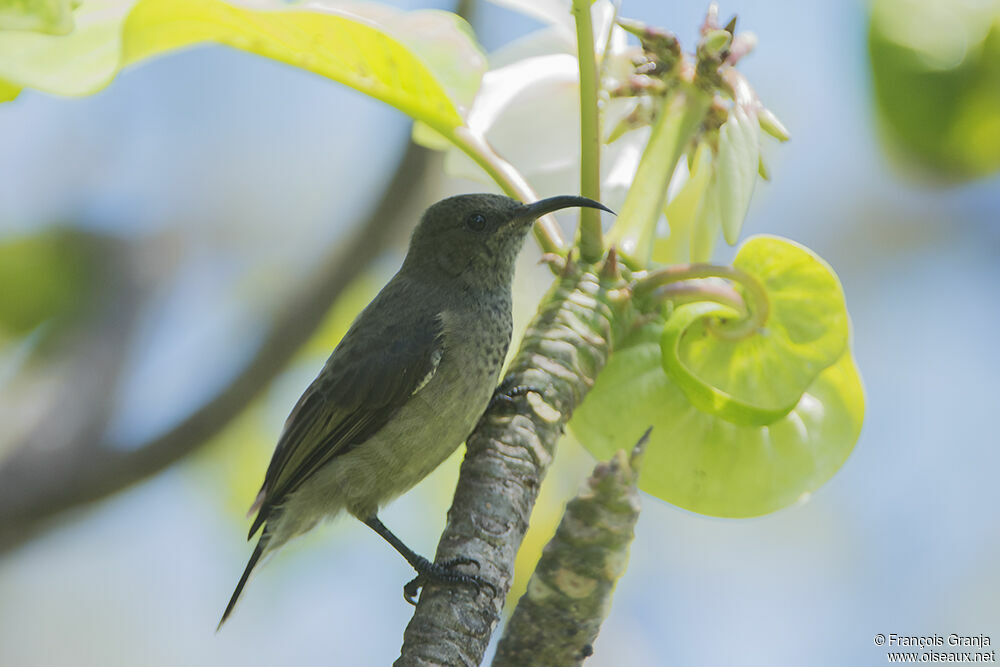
pixel 407 383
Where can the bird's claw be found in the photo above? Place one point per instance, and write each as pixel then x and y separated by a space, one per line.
pixel 444 573
pixel 555 260
pixel 508 391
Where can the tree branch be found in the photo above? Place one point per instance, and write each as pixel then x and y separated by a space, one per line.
pixel 569 594
pixel 37 481
pixel 507 456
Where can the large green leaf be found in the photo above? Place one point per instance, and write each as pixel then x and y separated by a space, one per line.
pixel 741 426
pixel 424 63
pixel 759 378
pixel 704 463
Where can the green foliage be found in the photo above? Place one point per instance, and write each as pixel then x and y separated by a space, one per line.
pixel 44 276
pixel 78 63
pixel 740 427
pixel 50 16
pixel 759 378
pixel 743 425
pixel 705 463
pixel 936 77
pixel 373 50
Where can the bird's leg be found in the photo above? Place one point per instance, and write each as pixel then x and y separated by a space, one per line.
pixel 426 570
pixel 508 391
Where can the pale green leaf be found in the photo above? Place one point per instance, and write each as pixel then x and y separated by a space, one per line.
pixel 705 464
pixel 79 63
pixel 8 91
pixel 428 137
pixel 424 63
pixel 331 42
pixel 54 17
pixel 760 378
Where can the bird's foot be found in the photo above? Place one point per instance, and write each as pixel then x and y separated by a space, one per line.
pixel 443 573
pixel 508 391
pixel 554 260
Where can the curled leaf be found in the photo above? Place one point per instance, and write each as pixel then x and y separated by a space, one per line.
pixel 759 378
pixel 704 463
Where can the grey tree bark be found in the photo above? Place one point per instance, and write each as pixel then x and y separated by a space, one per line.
pixel 565 347
pixel 569 595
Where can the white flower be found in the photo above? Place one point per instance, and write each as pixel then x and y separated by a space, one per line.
pixel 528 106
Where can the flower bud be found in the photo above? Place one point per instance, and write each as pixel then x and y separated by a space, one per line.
pixel 770 124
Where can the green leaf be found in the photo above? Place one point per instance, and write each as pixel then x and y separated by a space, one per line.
pixel 79 63
pixel 54 17
pixel 427 137
pixel 424 63
pixel 760 378
pixel 705 464
pixel 8 91
pixel 936 82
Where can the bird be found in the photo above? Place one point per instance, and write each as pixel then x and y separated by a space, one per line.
pixel 406 384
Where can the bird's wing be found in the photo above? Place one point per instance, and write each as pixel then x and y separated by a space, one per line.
pixel 366 380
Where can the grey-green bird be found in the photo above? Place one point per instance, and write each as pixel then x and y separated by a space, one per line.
pixel 407 383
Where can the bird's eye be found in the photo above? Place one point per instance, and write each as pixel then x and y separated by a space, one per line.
pixel 476 222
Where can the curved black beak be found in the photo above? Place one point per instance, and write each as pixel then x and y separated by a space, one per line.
pixel 535 210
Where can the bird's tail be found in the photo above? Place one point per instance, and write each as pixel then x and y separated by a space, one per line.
pixel 254 558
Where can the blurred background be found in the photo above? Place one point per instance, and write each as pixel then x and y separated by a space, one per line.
pixel 171 244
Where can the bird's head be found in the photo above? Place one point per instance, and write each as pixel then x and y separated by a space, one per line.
pixel 476 238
